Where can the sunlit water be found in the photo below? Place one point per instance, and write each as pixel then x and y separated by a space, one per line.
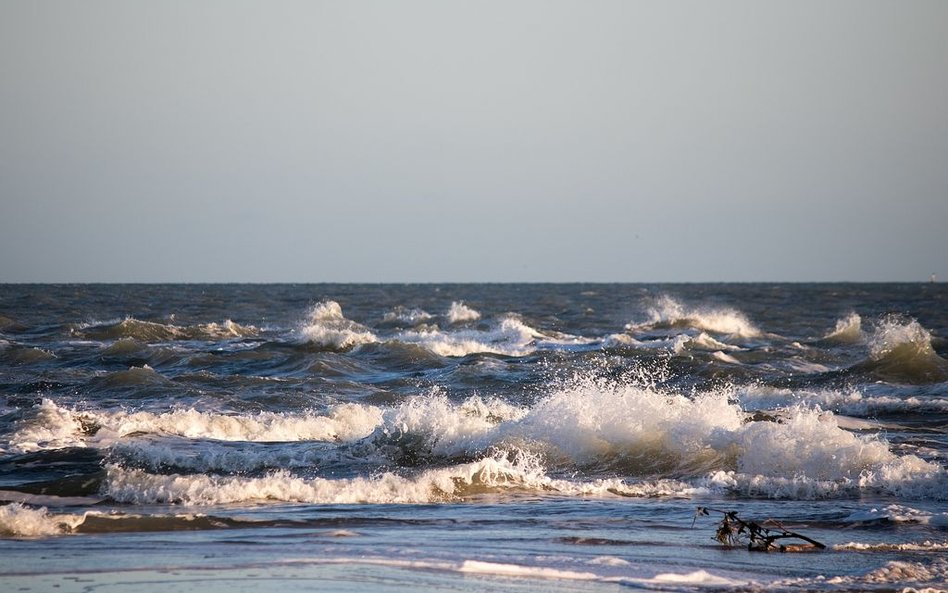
pixel 471 437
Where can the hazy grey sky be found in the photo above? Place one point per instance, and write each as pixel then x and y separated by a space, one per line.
pixel 473 141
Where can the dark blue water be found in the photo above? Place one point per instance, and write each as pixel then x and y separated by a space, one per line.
pixel 472 436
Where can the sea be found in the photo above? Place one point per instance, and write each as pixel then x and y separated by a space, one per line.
pixel 473 437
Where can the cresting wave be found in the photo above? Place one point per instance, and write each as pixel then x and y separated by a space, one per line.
pixel 901 350
pixel 584 572
pixel 899 514
pixel 668 313
pixel 57 427
pixel 150 331
pixel 562 432
pixel 326 326
pixel 461 313
pixel 624 439
pixel 22 521
pixel 850 402
pixel 19 520
pixel 847 331
pixel 925 546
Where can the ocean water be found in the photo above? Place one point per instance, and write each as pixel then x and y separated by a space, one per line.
pixel 471 437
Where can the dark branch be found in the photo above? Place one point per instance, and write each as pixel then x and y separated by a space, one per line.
pixel 759 537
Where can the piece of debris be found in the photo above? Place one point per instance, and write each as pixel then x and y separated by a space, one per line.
pixel 759 537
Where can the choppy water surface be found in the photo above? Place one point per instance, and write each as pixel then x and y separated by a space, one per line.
pixel 492 437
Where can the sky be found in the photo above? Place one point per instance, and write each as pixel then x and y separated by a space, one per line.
pixel 489 141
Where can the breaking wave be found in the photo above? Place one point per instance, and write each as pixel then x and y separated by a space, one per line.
pixel 510 337
pixel 925 546
pixel 848 330
pixel 850 402
pixel 902 573
pixel 896 513
pixel 138 487
pixel 461 313
pixel 680 345
pixel 18 520
pixel 404 316
pixel 667 313
pixel 901 350
pixel 326 326
pixel 150 331
pixel 56 427
pixel 636 440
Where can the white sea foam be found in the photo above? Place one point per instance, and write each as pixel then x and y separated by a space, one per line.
pixel 546 571
pixel 903 573
pixel 601 426
pixel 901 350
pixel 326 326
pixel 136 486
pixel 680 345
pixel 807 455
pixel 17 520
pixel 609 561
pixel 461 313
pixel 621 341
pixel 705 342
pixel 848 401
pixel 592 422
pixel 925 546
pixel 809 443
pixel 228 329
pixel 447 429
pixel 668 312
pixel 899 514
pixel 517 570
pixel 458 482
pixel 698 577
pixel 848 330
pixel 151 331
pixel 510 337
pixel 725 357
pixel 54 426
pixel 407 316
pixel 164 453
pixel 897 336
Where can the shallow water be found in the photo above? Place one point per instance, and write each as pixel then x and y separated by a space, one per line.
pixel 426 437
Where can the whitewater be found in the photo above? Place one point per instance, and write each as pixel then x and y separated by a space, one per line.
pixel 429 437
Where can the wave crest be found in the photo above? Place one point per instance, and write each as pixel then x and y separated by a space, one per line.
pixel 901 349
pixel 461 313
pixel 55 427
pixel 511 337
pixel 668 313
pixel 18 520
pixel 435 485
pixel 326 326
pixel 404 316
pixel 848 330
pixel 605 428
pixel 151 331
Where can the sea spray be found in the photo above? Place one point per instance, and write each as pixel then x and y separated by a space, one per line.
pixel 326 326
pixel 667 313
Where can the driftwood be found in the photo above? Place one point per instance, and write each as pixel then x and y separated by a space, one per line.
pixel 759 537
